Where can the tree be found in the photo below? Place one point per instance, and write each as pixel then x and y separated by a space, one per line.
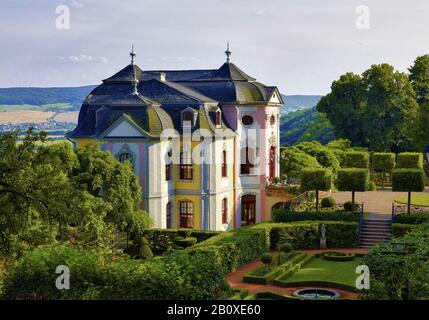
pixel 49 193
pixel 383 162
pixel 408 180
pixel 293 160
pixel 353 180
pixel 390 110
pixel 318 180
pixel 419 76
pixel 323 155
pixel 344 107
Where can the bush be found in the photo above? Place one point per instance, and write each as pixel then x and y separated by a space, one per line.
pixel 338 256
pixel 401 229
pixel 349 207
pixel 284 215
pixel 267 258
pixel 415 218
pixel 352 180
pixel 316 179
pixel 408 180
pixel 372 186
pixel 144 251
pixel 328 202
pixel 185 242
pixel 356 159
pixel 383 161
pixel 410 160
pixel 285 247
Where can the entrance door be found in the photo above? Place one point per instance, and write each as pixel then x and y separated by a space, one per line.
pixel 272 163
pixel 248 210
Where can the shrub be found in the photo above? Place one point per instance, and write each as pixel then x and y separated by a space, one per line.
pixel 372 186
pixel 185 242
pixel 356 159
pixel 315 179
pixel 284 215
pixel 410 160
pixel 415 218
pixel 408 180
pixel 285 247
pixel 328 202
pixel 350 207
pixel 185 233
pixel 267 258
pixel 383 161
pixel 144 251
pixel 338 256
pixel 400 229
pixel 352 180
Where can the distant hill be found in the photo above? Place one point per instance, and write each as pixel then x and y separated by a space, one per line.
pixel 298 102
pixel 44 96
pixel 305 125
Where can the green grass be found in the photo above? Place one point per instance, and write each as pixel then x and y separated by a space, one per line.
pixel 328 271
pixel 416 199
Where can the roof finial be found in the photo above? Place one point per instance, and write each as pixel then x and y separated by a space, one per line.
pixel 227 52
pixel 132 54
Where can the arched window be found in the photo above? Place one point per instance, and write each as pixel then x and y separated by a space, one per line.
pixel 168 215
pixel 224 165
pixel 168 166
pixel 125 156
pixel 247 159
pixel 186 170
pixel 224 210
pixel 186 212
pixel 218 118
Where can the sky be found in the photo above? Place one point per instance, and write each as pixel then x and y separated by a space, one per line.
pixel 301 46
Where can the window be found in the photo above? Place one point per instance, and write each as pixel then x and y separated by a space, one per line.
pixel 218 118
pixel 186 211
pixel 246 159
pixel 272 120
pixel 224 210
pixel 248 210
pixel 247 120
pixel 187 118
pixel 168 215
pixel 186 170
pixel 224 166
pixel 168 167
pixel 125 156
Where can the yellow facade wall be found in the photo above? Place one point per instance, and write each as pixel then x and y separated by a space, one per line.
pixel 81 143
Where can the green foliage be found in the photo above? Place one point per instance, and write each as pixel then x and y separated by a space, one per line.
pixel 350 207
pixel 401 229
pixel 415 218
pixel 383 161
pixel 285 247
pixel 295 160
pixel 145 252
pixel 372 186
pixel 410 160
pixel 352 180
pixel 284 215
pixel 338 256
pixel 356 159
pixel 305 125
pixel 185 242
pixel 267 258
pixel 324 156
pixel 328 202
pixel 320 179
pixel 408 180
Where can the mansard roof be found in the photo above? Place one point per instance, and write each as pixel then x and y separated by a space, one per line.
pixel 154 100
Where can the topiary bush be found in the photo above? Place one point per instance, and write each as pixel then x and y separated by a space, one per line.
pixel 353 180
pixel 285 247
pixel 350 206
pixel 383 161
pixel 185 242
pixel 356 159
pixel 338 256
pixel 410 160
pixel 372 186
pixel 328 202
pixel 267 258
pixel 144 251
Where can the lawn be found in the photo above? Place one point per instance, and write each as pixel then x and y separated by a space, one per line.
pixel 416 199
pixel 321 270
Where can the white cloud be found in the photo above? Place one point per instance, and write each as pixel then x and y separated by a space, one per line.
pixel 83 58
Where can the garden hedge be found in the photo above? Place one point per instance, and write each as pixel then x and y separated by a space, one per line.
pixel 316 179
pixel 401 229
pixel 414 218
pixel 356 159
pixel 410 160
pixel 284 215
pixel 352 180
pixel 383 161
pixel 408 180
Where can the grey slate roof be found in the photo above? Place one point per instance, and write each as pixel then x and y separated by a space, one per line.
pixel 159 104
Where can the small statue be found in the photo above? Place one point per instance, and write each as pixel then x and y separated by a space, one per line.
pixel 323 236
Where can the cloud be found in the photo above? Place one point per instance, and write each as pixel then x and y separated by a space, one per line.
pixel 77 4
pixel 83 58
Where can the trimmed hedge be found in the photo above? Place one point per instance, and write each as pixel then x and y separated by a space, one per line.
pixel 408 180
pixel 353 180
pixel 160 240
pixel 338 256
pixel 316 179
pixel 400 229
pixel 383 161
pixel 356 159
pixel 410 160
pixel 284 215
pixel 414 218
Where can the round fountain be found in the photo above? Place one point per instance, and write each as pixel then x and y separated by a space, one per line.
pixel 316 293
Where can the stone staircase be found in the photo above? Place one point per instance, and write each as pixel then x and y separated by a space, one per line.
pixel 374 231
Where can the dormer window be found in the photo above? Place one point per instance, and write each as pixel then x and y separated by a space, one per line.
pixel 218 118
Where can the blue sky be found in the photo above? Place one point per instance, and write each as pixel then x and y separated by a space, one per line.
pixel 299 45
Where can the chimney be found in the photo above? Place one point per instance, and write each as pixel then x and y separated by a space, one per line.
pixel 162 76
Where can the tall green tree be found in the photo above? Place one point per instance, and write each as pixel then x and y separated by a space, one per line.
pixel 419 76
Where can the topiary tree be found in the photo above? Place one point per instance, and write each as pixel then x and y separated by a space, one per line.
pixel 356 159
pixel 353 180
pixel 267 259
pixel 284 247
pixel 184 239
pixel 318 180
pixel 383 162
pixel 144 251
pixel 409 160
pixel 328 202
pixel 408 180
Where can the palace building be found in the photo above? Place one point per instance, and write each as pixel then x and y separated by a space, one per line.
pixel 204 144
